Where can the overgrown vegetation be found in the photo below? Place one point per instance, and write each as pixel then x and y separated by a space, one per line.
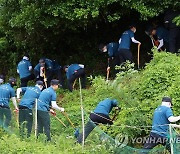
pixel 71 29
pixel 138 93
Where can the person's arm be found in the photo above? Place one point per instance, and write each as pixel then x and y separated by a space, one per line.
pixel 55 106
pixel 119 40
pixel 81 65
pixel 174 119
pixel 41 73
pixel 37 71
pixel 1 81
pixel 30 68
pixel 14 102
pixel 161 43
pixel 152 42
pixel 135 41
pixel 114 103
pixel 18 92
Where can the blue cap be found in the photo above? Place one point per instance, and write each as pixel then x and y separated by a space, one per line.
pixel 39 82
pixel 167 99
pixel 12 79
pixel 54 82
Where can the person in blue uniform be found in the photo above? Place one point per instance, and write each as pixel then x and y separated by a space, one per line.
pixel 26 104
pixel 174 30
pixel 57 72
pixel 73 72
pixel 46 101
pixel 162 36
pixel 46 69
pixel 24 69
pixel 163 116
pixel 7 92
pixel 112 50
pixel 100 115
pixel 125 43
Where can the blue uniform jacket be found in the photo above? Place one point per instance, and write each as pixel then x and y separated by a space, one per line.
pixel 48 68
pixel 71 70
pixel 23 68
pixel 45 98
pixel 162 33
pixel 126 39
pixel 160 120
pixel 105 106
pixel 112 48
pixel 6 92
pixel 30 94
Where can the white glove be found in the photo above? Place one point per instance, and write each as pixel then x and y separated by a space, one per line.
pixel 41 71
pixel 62 109
pixel 45 79
pixel 82 66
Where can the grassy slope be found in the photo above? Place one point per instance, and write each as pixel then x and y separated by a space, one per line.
pixel 138 93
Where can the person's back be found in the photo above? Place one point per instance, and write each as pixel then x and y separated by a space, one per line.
pixel 126 39
pixel 6 92
pixel 162 33
pixel 23 68
pixel 47 63
pixel 105 106
pixel 31 93
pixel 55 65
pixel 100 115
pixel 71 69
pixel 112 49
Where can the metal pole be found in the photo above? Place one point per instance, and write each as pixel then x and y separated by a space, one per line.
pixel 82 112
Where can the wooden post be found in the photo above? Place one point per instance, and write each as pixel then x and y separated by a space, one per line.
pixel 45 78
pixel 138 54
pixel 60 121
pixel 82 113
pixel 65 114
pixel 108 71
pixel 35 119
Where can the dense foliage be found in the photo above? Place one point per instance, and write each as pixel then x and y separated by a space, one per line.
pixel 71 29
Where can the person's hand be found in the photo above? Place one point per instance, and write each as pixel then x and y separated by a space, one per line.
pixel 52 112
pixel 41 71
pixel 62 109
pixel 16 110
pixel 42 68
pixel 45 79
pixel 117 108
pixel 108 69
pixel 75 71
pixel 18 100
